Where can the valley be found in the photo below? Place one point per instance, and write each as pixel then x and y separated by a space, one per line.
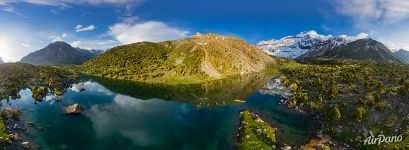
pixel 258 101
pixel 204 75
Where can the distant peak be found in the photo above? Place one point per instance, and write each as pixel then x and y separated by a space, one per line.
pixel 369 40
pixel 401 50
pixel 59 44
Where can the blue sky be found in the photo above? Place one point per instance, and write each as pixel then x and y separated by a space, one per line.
pixel 28 25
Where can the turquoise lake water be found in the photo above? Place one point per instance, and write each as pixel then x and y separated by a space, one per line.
pixel 141 116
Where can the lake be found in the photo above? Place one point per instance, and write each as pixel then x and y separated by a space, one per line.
pixel 129 115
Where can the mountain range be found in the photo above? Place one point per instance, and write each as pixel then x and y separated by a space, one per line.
pixel 201 57
pixel 216 56
pixel 311 45
pixel 403 55
pixel 295 46
pixel 60 53
pixel 1 61
pixel 362 49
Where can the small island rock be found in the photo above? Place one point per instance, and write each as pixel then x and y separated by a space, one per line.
pixel 11 113
pixel 74 109
pixel 25 145
pixel 286 147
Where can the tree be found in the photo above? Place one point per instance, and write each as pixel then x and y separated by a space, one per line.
pixel 377 97
pixel 381 86
pixel 334 113
pixel 359 113
pixel 285 80
pixel 403 90
pixel 326 148
pixel 334 90
pixel 355 89
pixel 323 87
pixel 294 87
pixel 320 99
pixel 292 102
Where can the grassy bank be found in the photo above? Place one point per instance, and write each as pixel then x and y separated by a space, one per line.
pixel 255 133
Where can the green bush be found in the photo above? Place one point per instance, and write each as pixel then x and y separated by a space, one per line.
pixel 334 113
pixel 359 113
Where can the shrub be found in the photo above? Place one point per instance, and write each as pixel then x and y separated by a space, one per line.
pixel 334 113
pixel 294 87
pixel 16 114
pixel 359 113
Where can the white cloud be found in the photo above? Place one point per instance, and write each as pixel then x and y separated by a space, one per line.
pixel 10 9
pixel 395 38
pixel 154 31
pixel 106 122
pixel 26 44
pixel 362 35
pixel 55 12
pixel 80 28
pixel 16 42
pixel 95 44
pixel 59 37
pixel 66 3
pixel 379 11
pixel 126 6
pixel 386 19
pixel 315 34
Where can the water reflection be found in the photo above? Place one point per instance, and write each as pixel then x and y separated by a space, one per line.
pixel 129 115
pixel 90 86
pixel 275 87
pixel 211 94
pixel 156 123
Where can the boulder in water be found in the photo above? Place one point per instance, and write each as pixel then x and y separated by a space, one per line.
pixel 286 147
pixel 25 145
pixel 74 109
pixel 11 113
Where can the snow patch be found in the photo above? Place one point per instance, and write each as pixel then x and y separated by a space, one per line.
pixel 295 46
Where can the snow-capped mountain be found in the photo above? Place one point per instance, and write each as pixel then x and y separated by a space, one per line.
pixel 296 46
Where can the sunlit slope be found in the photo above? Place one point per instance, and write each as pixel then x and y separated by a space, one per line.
pixel 200 58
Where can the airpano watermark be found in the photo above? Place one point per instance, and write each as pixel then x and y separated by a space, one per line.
pixel 372 140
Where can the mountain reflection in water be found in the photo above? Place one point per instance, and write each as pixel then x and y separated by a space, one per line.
pixel 128 115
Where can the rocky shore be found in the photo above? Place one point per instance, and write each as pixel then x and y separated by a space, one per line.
pixel 15 135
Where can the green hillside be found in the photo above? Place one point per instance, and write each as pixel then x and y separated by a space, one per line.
pixel 200 58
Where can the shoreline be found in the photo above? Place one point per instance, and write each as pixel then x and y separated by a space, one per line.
pixel 318 134
pixel 17 129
